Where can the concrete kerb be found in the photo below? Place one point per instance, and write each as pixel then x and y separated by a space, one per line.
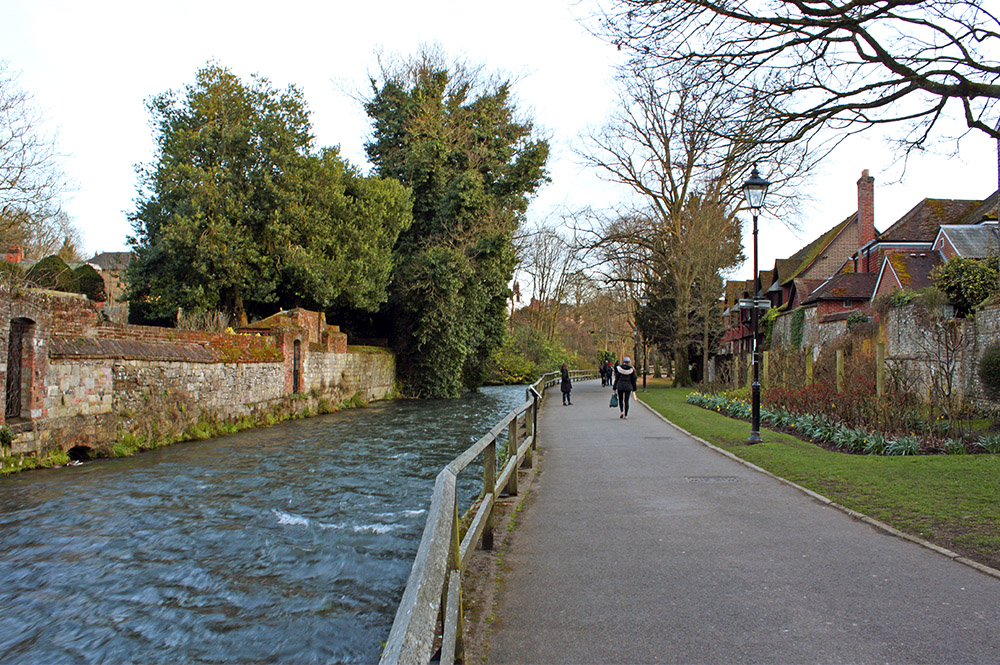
pixel 882 526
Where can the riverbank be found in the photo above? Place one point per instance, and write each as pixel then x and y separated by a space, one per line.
pixel 293 407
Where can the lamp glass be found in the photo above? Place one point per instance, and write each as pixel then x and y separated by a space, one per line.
pixel 755 189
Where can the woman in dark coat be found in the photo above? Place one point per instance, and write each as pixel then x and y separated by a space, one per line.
pixel 625 384
pixel 567 385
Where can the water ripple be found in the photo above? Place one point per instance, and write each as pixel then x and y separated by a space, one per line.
pixel 288 544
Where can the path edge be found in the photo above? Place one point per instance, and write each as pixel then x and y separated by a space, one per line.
pixel 881 526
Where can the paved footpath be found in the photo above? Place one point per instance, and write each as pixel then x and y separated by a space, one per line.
pixel 640 545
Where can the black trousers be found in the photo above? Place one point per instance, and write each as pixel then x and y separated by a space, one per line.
pixel 623 396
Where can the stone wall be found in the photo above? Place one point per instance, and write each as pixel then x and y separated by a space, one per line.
pixel 86 382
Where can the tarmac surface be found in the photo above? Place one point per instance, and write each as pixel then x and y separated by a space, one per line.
pixel 638 544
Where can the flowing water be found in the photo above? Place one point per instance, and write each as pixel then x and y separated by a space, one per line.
pixel 290 544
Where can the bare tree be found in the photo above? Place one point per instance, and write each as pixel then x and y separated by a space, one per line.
pixel 846 65
pixel 31 182
pixel 685 152
pixel 551 264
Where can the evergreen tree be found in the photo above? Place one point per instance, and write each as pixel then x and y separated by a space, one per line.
pixel 455 140
pixel 239 214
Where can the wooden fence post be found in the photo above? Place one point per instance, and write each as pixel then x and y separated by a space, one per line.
pixel 489 488
pixel 529 459
pixel 809 367
pixel 880 368
pixel 451 594
pixel 765 378
pixel 512 455
pixel 840 370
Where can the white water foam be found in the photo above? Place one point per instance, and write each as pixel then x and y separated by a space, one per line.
pixel 402 513
pixel 290 519
pixel 377 528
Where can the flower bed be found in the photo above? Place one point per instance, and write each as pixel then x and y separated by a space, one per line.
pixel 824 429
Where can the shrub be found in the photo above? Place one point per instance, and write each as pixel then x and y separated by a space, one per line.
pixel 53 273
pixel 989 372
pixel 90 283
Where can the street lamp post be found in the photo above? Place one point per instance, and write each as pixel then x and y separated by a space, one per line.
pixel 754 190
pixel 643 301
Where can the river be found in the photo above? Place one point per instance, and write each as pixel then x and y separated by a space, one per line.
pixel 290 544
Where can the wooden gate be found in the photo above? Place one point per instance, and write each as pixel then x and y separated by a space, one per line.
pixel 15 354
pixel 296 374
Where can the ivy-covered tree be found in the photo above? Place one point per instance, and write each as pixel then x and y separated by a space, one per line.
pixel 239 213
pixel 967 282
pixel 456 140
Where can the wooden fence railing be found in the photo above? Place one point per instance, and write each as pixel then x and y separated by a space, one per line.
pixel 432 602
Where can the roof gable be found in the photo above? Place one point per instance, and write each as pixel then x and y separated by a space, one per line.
pixel 970 241
pixel 913 270
pixel 806 256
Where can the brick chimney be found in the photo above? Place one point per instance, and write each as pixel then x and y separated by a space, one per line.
pixel 866 209
pixel 14 254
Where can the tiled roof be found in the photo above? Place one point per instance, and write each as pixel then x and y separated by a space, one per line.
pixel 804 287
pixel 111 260
pixel 913 269
pixel 736 288
pixel 921 223
pixel 808 254
pixel 972 241
pixel 846 286
pixel 985 210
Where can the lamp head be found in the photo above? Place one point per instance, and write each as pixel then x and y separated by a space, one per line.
pixel 755 189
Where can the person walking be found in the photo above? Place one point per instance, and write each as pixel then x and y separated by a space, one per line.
pixel 625 384
pixel 566 386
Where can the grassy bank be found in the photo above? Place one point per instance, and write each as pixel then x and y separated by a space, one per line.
pixel 950 500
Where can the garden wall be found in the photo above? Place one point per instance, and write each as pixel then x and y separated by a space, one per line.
pixel 72 379
pixel 957 348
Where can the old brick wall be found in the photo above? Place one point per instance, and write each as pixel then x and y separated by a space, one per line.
pixel 88 383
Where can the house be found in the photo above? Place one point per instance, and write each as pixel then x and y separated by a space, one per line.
pixel 967 241
pixel 112 266
pixel 792 281
pixel 932 232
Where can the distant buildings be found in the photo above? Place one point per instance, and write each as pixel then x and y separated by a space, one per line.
pixel 841 272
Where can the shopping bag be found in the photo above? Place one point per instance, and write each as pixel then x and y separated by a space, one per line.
pixel 614 400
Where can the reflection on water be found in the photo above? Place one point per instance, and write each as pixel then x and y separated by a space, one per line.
pixel 290 544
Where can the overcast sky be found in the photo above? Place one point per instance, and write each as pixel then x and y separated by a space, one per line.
pixel 91 67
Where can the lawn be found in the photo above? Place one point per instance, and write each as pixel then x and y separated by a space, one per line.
pixel 950 500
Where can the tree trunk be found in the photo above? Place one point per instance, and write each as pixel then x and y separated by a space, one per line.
pixel 704 350
pixel 238 312
pixel 682 368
